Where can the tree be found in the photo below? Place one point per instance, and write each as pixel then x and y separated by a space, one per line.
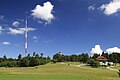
pixel 114 57
pixel 93 63
pixel 54 60
pixel 34 62
pixel 24 62
pixel 41 55
pixel 66 58
pixel 4 57
pixel 84 57
pixel 95 56
pixel 58 56
pixel 48 59
pixel 19 57
pixel 11 64
pixel 73 58
pixel 43 61
pixel 34 54
pixel 37 56
pixel 105 55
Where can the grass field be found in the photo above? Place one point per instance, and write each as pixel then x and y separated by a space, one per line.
pixel 57 72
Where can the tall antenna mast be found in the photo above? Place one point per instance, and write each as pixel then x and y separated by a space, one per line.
pixel 26 37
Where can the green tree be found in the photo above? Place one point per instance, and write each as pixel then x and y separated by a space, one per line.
pixel 19 57
pixel 41 55
pixel 54 60
pixel 34 62
pixel 34 54
pixel 48 59
pixel 28 57
pixel 95 56
pixel 105 55
pixel 58 56
pixel 66 58
pixel 11 64
pixel 24 62
pixel 84 57
pixel 73 58
pixel 4 57
pixel 93 63
pixel 37 56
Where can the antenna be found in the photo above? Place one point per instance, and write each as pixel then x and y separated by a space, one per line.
pixel 26 37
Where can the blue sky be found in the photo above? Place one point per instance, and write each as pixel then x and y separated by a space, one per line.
pixel 72 26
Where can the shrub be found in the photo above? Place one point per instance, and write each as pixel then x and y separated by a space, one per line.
pixel 93 63
pixel 54 61
pixel 24 62
pixel 34 62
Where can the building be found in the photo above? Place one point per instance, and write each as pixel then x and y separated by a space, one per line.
pixel 103 60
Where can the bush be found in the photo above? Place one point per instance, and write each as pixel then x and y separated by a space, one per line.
pixel 11 64
pixel 93 63
pixel 24 62
pixel 3 64
pixel 43 61
pixel 54 61
pixel 34 62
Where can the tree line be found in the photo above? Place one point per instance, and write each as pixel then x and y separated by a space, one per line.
pixel 59 57
pixel 27 61
pixel 38 59
pixel 85 58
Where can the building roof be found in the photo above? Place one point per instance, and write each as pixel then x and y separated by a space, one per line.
pixel 102 58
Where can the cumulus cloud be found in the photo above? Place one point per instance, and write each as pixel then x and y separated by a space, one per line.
pixel 1 29
pixel 113 50
pixel 6 43
pixel 43 12
pixel 96 50
pixel 111 8
pixel 19 30
pixel 91 8
pixel 15 24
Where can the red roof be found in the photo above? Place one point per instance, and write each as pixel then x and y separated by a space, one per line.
pixel 101 58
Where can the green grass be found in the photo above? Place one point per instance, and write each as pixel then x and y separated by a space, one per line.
pixel 57 72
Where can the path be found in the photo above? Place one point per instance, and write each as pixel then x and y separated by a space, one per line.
pixel 74 65
pixel 84 65
pixel 112 69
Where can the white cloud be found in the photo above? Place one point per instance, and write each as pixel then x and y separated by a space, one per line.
pixel 35 37
pixel 43 12
pixel 15 24
pixel 96 50
pixel 91 8
pixel 1 29
pixel 111 8
pixel 28 29
pixel 112 50
pixel 47 41
pixel 6 43
pixel 16 44
pixel 15 31
pixel 19 30
pixel 1 17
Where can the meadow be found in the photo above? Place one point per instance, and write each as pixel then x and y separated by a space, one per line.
pixel 58 71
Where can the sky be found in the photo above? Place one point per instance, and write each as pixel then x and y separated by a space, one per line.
pixel 67 26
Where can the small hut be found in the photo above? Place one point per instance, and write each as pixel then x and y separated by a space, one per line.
pixel 103 60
